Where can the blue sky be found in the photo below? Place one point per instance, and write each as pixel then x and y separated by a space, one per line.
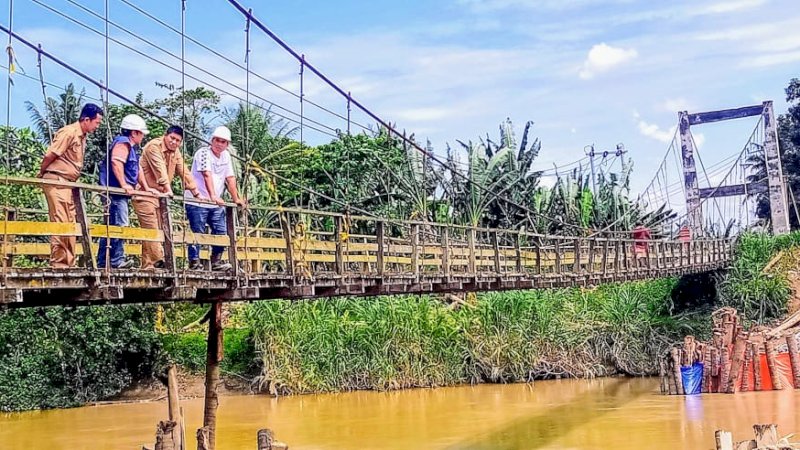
pixel 585 71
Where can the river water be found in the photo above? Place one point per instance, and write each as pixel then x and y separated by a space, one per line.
pixel 568 414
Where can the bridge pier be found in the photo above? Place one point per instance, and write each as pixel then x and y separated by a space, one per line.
pixel 214 355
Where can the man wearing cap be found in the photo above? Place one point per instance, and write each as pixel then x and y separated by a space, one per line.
pixel 161 161
pixel 63 161
pixel 212 170
pixel 120 169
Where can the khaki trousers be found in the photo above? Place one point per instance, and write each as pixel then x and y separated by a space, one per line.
pixel 149 214
pixel 61 209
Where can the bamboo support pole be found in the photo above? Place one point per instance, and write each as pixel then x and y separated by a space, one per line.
pixel 772 364
pixel 794 356
pixel 757 381
pixel 676 369
pixel 724 368
pixel 214 355
pixel 739 348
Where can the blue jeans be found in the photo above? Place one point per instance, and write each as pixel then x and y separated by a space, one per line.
pixel 199 219
pixel 118 215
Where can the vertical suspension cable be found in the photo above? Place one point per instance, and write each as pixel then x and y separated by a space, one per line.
pixel 302 97
pixel 107 207
pixel 250 153
pixel 183 141
pixel 44 93
pixel 9 83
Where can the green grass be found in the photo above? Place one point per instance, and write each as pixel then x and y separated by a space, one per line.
pixel 758 296
pixel 399 342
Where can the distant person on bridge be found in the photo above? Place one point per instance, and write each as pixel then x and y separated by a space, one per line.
pixel 63 161
pixel 641 236
pixel 212 170
pixel 161 161
pixel 120 169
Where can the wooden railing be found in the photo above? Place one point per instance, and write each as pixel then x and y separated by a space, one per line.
pixel 301 253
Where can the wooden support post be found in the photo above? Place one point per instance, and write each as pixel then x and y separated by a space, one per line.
pixel 286 227
pixel 230 222
pixel 747 366
pixel 518 253
pixel 766 436
pixel 772 364
pixel 739 348
pixel 446 253
pixel 204 439
pixel 576 252
pixel 625 263
pixel 755 350
pixel 214 355
pixel 471 263
pixel 380 259
pixel 166 433
pixel 339 257
pixel 779 213
pixel 538 245
pixel 707 368
pixel 415 250
pixel 617 255
pixel 690 181
pixel 590 269
pixel 83 220
pixel 681 254
pixel 498 268
pixel 557 250
pixel 725 368
pixel 265 439
pixel 724 440
pixel 794 356
pixel 174 405
pixel 676 369
pixel 8 240
pixel 605 257
pixel 169 241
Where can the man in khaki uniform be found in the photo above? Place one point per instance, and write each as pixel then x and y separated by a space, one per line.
pixel 63 161
pixel 161 161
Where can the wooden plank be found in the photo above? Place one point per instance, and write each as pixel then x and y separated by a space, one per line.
pixel 576 265
pixel 187 237
pixel 517 254
pixel 126 233
pixel 604 263
pixel 724 440
pixel 25 228
pixel 557 245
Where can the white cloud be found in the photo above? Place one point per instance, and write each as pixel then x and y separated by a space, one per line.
pixel 603 57
pixel 653 131
pixel 732 6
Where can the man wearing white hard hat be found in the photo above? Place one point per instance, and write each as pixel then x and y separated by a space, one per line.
pixel 120 169
pixel 212 169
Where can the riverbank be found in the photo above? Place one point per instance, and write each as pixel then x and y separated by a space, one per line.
pixel 61 358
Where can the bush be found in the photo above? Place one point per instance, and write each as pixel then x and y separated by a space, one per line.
pixel 60 357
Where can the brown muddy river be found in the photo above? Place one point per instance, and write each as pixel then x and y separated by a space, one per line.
pixel 594 414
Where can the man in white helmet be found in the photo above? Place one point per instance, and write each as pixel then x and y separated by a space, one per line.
pixel 120 169
pixel 212 170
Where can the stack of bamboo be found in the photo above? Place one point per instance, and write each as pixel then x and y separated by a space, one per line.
pixel 735 360
pixel 766 437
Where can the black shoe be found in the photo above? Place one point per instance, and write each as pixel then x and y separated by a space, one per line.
pixel 195 265
pixel 159 264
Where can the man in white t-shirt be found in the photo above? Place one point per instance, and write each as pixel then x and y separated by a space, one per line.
pixel 212 170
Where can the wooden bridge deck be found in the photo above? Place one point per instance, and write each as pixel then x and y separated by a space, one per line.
pixel 295 254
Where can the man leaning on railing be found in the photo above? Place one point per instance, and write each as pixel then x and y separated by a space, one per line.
pixel 161 161
pixel 63 161
pixel 212 170
pixel 120 169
